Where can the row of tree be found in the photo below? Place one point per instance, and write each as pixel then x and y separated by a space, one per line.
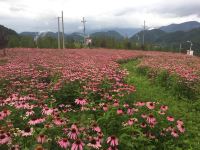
pixel 97 42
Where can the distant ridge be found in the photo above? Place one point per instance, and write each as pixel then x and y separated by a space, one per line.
pixel 185 26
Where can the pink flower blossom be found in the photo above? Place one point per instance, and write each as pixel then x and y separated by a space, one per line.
pixel 41 138
pixel 77 145
pixel 27 131
pixel 150 105
pixel 73 133
pixel 170 118
pixel 4 138
pixel 94 143
pixel 132 121
pixel 64 143
pixel 151 120
pixel 164 108
pixel 35 121
pixel 96 128
pixel 181 128
pixel 174 133
pixel 112 140
pixel 120 111
pixel 140 104
pixel 81 101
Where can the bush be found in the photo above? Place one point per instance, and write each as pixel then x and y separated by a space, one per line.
pixel 68 93
pixel 143 70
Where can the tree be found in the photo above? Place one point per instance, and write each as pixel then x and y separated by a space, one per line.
pixel 3 41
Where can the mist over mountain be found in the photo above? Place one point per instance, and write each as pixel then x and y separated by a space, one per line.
pixel 108 34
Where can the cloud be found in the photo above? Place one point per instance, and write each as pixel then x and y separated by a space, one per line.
pixel 36 15
pixel 178 8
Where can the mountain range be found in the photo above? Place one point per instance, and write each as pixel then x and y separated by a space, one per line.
pixel 123 32
pixel 173 34
pixel 185 26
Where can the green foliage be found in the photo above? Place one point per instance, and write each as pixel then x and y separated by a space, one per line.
pixel 68 92
pixel 47 42
pixel 3 87
pixel 178 86
pixel 14 41
pixel 26 41
pixel 143 70
pixel 187 110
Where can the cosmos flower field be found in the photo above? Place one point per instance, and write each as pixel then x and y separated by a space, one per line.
pixel 79 99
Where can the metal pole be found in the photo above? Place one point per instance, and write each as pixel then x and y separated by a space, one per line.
pixel 63 34
pixel 84 21
pixel 84 25
pixel 58 32
pixel 143 33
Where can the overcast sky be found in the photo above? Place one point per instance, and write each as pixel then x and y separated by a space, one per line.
pixel 40 15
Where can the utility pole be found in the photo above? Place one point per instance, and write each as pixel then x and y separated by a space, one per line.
pixel 180 48
pixel 143 33
pixel 58 32
pixel 63 34
pixel 84 21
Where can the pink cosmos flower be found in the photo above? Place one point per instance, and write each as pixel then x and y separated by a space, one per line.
pixel 47 111
pixel 112 140
pixel 143 125
pixel 59 122
pixel 30 112
pixel 73 133
pixel 180 122
pixel 161 112
pixel 174 133
pixel 81 101
pixel 116 103
pixel 150 105
pixel 119 111
pixel 94 143
pixel 130 111
pixel 126 105
pixel 27 131
pixel 132 121
pixel 181 128
pixel 41 138
pixel 140 104
pixel 143 116
pixel 170 118
pixel 35 121
pixel 105 107
pixel 15 147
pixel 6 112
pixel 164 108
pixel 151 120
pixel 96 128
pixel 64 143
pixel 4 138
pixel 112 148
pixel 77 145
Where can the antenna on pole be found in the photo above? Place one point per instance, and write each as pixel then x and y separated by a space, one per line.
pixel 63 34
pixel 58 32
